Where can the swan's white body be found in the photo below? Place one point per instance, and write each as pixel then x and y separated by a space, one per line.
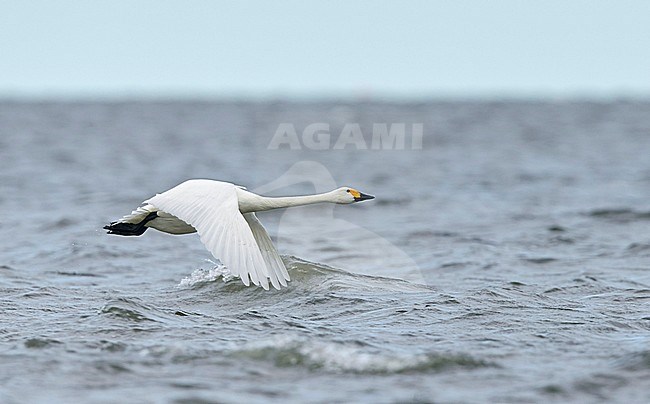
pixel 223 215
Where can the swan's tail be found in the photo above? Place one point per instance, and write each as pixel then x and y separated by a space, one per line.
pixel 122 228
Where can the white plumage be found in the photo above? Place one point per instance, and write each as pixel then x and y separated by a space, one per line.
pixel 223 215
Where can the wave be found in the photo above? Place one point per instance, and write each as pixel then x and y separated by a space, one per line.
pixel 134 310
pixel 622 215
pixel 304 274
pixel 289 351
pixel 637 361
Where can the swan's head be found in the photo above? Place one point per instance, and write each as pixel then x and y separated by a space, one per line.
pixel 349 195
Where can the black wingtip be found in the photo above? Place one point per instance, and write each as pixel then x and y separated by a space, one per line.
pixel 130 229
pixel 126 229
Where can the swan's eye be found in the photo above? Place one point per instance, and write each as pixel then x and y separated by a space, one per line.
pixel 347 190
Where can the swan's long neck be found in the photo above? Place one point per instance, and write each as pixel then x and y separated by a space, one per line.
pixel 249 202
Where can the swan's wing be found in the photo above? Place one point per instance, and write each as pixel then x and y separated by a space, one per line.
pixel 212 208
pixel 277 271
pixel 137 215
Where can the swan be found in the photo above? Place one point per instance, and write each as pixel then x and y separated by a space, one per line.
pixel 373 254
pixel 223 214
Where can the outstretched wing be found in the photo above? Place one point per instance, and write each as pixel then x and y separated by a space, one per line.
pixel 212 208
pixel 277 271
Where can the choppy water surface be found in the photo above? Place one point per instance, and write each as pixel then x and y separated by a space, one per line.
pixel 508 260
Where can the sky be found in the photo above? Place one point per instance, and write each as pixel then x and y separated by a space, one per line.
pixel 306 49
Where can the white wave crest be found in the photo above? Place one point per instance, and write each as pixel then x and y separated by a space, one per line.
pixel 285 351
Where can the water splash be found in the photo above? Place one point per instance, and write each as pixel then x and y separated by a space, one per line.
pixel 200 276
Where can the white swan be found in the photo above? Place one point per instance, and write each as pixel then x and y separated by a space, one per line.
pixel 223 215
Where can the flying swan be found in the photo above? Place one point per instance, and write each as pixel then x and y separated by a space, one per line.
pixel 223 214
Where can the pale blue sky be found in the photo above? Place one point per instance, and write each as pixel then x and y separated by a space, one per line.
pixel 325 48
